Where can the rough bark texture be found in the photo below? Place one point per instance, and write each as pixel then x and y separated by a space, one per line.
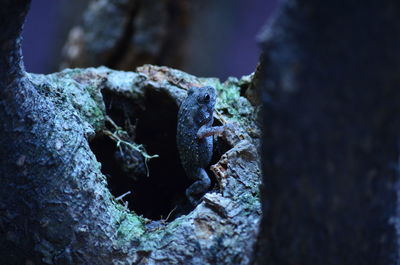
pixel 123 34
pixel 55 205
pixel 330 82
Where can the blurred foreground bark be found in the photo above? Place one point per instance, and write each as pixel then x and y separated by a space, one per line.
pixel 330 78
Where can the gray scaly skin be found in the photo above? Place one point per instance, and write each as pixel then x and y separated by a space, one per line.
pixel 194 137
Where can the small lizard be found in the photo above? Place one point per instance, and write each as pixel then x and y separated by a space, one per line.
pixel 194 138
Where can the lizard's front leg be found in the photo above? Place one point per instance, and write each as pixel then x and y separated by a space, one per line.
pixel 206 130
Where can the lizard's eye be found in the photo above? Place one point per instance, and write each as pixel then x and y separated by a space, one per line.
pixel 206 97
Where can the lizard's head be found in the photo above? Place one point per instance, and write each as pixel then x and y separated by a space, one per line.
pixel 203 102
pixel 205 96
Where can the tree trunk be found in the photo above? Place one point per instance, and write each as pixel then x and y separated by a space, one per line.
pixel 330 82
pixel 59 205
pixel 128 33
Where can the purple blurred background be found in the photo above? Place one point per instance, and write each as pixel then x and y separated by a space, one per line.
pixel 224 35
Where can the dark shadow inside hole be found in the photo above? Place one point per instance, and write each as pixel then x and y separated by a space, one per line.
pixel 163 191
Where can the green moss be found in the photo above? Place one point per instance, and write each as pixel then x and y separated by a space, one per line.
pixel 229 95
pixel 130 226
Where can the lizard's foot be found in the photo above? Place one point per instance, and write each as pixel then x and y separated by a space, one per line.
pixel 192 199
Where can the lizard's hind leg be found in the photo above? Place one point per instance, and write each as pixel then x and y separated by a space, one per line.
pixel 199 187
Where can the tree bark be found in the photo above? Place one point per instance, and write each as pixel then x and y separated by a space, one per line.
pixel 58 204
pixel 329 76
pixel 128 33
